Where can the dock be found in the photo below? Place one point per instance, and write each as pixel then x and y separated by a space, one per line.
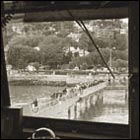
pixel 66 107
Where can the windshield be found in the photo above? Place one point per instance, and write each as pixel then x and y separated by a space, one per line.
pixel 55 71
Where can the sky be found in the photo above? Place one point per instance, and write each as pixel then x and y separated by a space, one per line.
pixel 125 20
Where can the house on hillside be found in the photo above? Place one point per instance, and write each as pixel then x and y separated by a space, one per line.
pixel 77 50
pixel 30 68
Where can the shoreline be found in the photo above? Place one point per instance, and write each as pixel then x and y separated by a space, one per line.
pixel 54 80
pixel 38 83
pixel 48 80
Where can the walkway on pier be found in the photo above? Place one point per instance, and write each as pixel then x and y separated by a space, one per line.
pixel 61 108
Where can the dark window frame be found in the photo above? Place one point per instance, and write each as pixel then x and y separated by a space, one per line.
pixel 117 130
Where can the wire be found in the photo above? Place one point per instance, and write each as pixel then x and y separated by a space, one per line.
pixel 76 21
pixel 84 28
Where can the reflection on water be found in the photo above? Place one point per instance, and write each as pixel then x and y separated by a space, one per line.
pixel 110 106
pixel 26 94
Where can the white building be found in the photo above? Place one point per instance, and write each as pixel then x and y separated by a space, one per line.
pixel 30 68
pixel 75 50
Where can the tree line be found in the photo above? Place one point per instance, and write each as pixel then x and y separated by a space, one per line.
pixel 46 44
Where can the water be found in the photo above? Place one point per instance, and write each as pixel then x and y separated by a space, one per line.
pixel 27 94
pixel 111 106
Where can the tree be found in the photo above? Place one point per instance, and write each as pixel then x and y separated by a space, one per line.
pixel 84 66
pixel 121 42
pixel 76 54
pixel 21 64
pixel 78 60
pixel 20 56
pixel 36 65
pixel 64 28
pixel 118 54
pixel 54 38
pixel 96 59
pixel 67 58
pixel 101 42
pixel 111 24
pixel 119 63
pixel 29 40
pixel 52 50
pixel 13 56
pixel 71 65
pixel 85 43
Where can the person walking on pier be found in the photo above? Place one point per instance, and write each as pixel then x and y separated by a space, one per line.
pixel 35 103
pixel 34 106
pixel 69 112
pixel 109 81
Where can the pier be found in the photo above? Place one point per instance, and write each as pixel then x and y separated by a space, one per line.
pixel 68 107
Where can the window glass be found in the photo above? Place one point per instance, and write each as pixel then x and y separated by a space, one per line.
pixel 55 71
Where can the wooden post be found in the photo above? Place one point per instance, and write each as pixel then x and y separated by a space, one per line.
pixel 75 111
pixel 69 113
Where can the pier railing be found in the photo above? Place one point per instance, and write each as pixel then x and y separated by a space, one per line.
pixel 59 108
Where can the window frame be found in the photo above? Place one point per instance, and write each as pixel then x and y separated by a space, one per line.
pixel 118 130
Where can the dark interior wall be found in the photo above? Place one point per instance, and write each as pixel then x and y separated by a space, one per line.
pixel 5 98
pixel 134 68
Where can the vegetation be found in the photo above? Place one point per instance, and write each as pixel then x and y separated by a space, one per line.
pixel 46 44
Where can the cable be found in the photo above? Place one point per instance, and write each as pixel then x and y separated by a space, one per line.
pixel 98 50
pixel 84 28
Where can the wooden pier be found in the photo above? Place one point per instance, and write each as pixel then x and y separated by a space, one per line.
pixel 66 107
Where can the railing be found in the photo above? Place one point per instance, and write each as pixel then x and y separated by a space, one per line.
pixel 59 107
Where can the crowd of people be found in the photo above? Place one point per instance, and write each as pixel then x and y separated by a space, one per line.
pixel 74 91
pixel 67 93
